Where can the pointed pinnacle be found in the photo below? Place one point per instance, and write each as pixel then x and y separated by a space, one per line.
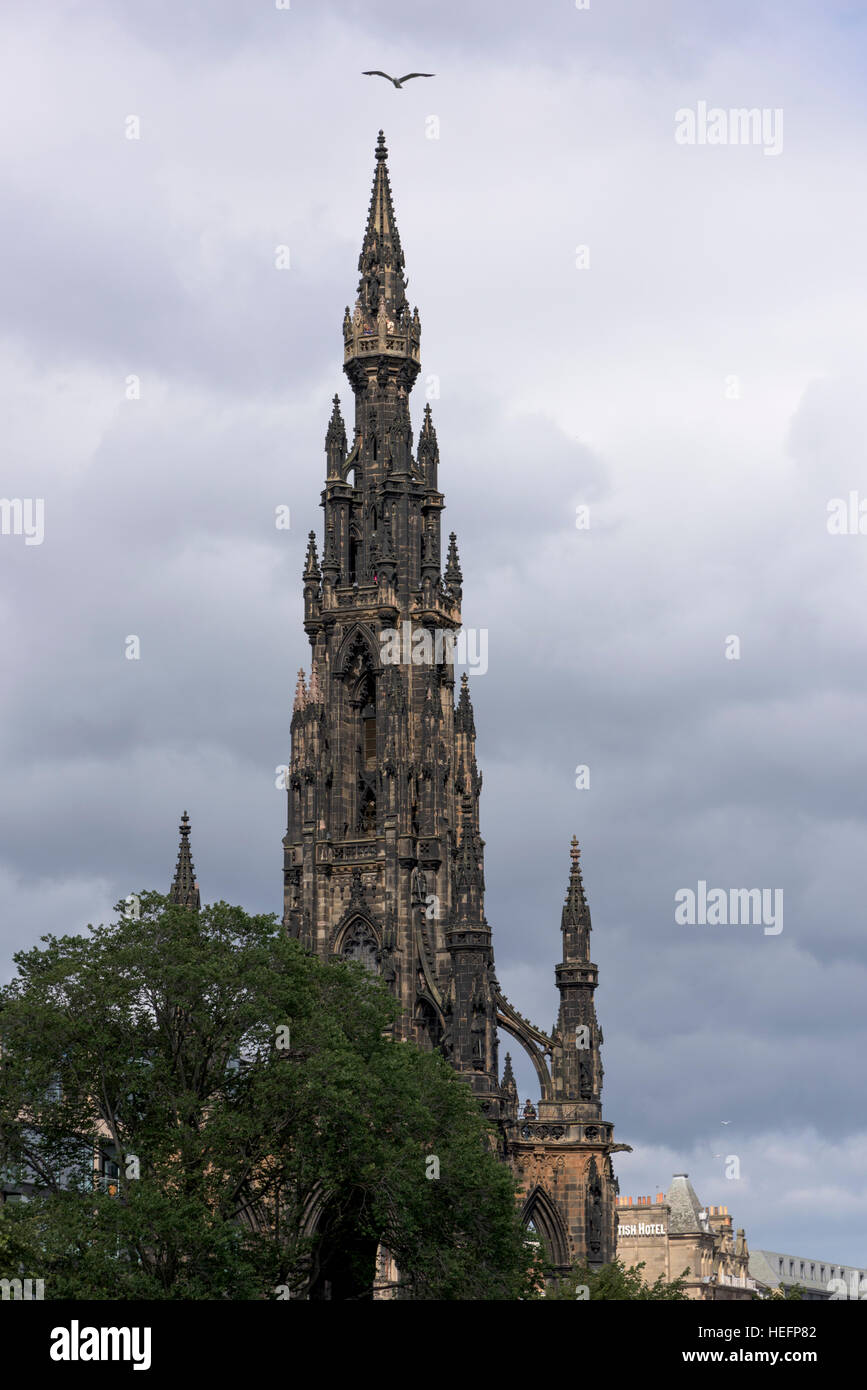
pixel 453 572
pixel 336 433
pixel 464 720
pixel 185 889
pixel 575 910
pixel 311 563
pixel 575 856
pixel 300 690
pixel 381 259
pixel 427 437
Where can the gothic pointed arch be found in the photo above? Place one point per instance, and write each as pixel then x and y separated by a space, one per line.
pixel 540 1209
pixel 343 1260
pixel 427 1023
pixel 360 941
pixel 311 1213
pixel 358 934
pixel 358 650
pixel 534 1042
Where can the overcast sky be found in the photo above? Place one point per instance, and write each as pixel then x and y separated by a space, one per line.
pixel 699 385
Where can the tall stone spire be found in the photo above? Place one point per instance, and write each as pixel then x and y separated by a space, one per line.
pixel 381 261
pixel 575 923
pixel 577 1071
pixel 578 1162
pixel 383 851
pixel 381 326
pixel 185 890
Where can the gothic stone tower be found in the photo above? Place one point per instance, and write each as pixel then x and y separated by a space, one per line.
pixel 383 857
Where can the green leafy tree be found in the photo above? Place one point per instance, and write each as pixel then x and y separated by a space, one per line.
pixel 616 1281
pixel 241 1086
pixel 16 1254
pixel 793 1294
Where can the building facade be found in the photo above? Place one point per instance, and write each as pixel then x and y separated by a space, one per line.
pixel 817 1279
pixel 383 854
pixel 673 1232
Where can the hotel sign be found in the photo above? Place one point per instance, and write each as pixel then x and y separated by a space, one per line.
pixel 642 1228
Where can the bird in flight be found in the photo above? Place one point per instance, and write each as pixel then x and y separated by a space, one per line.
pixel 398 81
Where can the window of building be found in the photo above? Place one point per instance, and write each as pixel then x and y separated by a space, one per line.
pixel 360 944
pixel 108 1170
pixel 368 730
pixel 108 1164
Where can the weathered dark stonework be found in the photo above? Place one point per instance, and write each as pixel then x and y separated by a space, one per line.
pixel 383 856
pixel 185 890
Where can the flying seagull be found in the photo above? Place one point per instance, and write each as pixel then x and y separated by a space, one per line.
pixel 398 81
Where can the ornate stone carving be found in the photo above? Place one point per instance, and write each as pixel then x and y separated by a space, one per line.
pixel 360 943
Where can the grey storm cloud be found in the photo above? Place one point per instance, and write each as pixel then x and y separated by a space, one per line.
pixel 699 387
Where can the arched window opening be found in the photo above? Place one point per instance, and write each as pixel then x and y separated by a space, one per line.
pixel 360 944
pixel 344 1255
pixel 542 1217
pixel 428 1032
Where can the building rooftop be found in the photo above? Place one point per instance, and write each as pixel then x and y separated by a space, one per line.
pixel 773 1267
pixel 688 1216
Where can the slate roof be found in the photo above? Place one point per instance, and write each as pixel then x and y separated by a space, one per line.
pixel 685 1208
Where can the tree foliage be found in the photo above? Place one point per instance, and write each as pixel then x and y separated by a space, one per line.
pixel 616 1281
pixel 794 1293
pixel 249 1086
